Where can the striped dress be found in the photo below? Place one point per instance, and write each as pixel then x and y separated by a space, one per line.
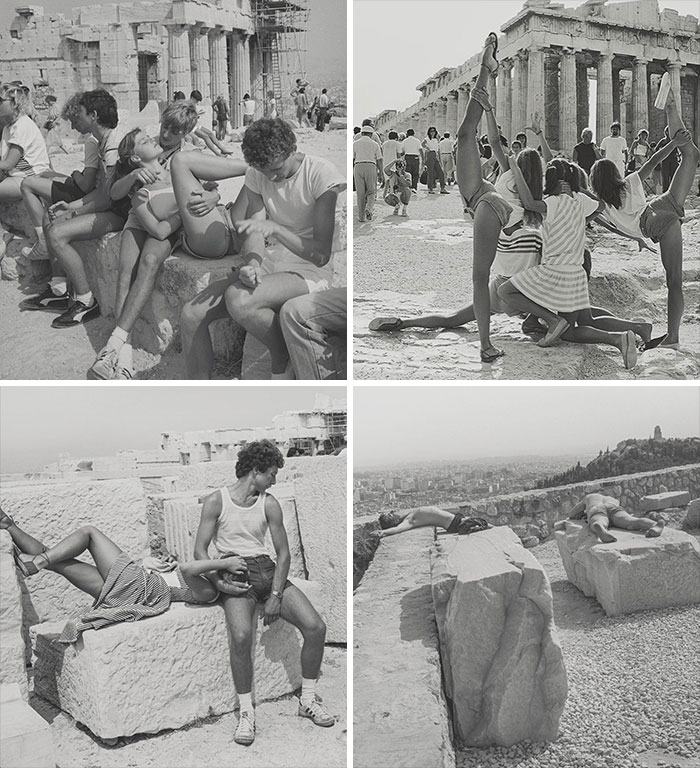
pixel 559 282
pixel 129 593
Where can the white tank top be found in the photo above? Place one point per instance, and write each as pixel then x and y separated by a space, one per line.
pixel 241 529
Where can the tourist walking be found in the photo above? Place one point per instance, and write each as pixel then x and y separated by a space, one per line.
pixel 367 167
pixel 222 116
pixel 447 158
pixel 248 110
pixel 413 152
pixel 431 146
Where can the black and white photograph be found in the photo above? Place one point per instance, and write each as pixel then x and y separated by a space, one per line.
pixel 527 199
pixel 526 575
pixel 174 588
pixel 173 190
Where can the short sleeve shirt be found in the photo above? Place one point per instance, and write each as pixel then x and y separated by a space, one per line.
pixel 432 144
pixel 108 153
pixel 26 136
pixel 446 146
pixel 390 150
pixel 92 154
pixel 366 150
pixel 614 147
pixel 290 202
pixel 411 145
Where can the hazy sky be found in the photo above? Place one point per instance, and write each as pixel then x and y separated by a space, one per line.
pixel 326 35
pixel 403 424
pixel 400 43
pixel 38 423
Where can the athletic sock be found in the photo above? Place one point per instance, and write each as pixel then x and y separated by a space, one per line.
pixel 308 690
pixel 118 338
pixel 125 358
pixel 245 702
pixel 85 298
pixel 58 285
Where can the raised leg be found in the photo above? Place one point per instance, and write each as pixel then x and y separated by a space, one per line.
pixel 487 228
pixel 671 246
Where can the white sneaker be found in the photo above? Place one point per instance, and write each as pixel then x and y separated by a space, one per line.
pixel 37 252
pixel 664 90
pixel 316 713
pixel 245 730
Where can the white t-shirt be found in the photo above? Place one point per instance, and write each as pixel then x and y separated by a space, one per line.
pixel 431 144
pixel 411 145
pixel 626 219
pixel 390 151
pixel 249 107
pixel 26 136
pixel 92 152
pixel 446 146
pixel 323 100
pixel 614 147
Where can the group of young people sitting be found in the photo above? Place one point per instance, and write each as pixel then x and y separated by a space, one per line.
pixel 530 231
pixel 160 197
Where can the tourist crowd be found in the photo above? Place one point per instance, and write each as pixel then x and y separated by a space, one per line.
pixel 165 201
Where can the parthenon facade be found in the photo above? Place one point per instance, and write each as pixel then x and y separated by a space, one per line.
pixel 140 51
pixel 549 54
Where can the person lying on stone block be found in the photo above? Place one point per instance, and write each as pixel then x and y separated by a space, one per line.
pixel 123 589
pixel 236 518
pixel 601 512
pixel 452 522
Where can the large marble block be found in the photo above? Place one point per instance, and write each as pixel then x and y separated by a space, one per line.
pixel 501 660
pixel 161 672
pixel 663 500
pixel 633 573
pixel 26 740
pixel 12 648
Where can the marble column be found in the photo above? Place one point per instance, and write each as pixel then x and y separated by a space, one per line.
pixel 535 83
pixel 179 69
pixel 582 96
pixel 674 70
pixel 217 60
pixel 568 135
pixel 503 103
pixel 518 95
pixel 422 128
pixel 640 96
pixel 199 60
pixel 441 114
pixel 241 76
pixel 432 115
pixel 604 100
pixel 451 114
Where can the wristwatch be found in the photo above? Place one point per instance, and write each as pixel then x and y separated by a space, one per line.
pixel 277 594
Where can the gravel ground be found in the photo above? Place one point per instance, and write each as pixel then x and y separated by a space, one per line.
pixel 633 687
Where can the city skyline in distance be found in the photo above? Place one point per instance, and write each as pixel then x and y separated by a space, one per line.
pixel 396 426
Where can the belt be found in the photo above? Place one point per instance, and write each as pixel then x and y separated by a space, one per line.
pixel 365 162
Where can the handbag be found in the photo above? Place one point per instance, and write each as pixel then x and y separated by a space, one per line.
pixel 424 176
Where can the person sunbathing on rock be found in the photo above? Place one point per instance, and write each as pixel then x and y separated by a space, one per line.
pixel 602 511
pixel 123 590
pixel 452 522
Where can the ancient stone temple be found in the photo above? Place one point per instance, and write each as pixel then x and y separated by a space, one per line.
pixel 148 50
pixel 552 56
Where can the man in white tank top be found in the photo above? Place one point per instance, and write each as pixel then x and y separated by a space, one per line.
pixel 236 518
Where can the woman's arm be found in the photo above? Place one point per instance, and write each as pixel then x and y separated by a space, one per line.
pixel 315 249
pixel 524 193
pixel 536 128
pixel 14 155
pixel 657 158
pixel 495 140
pixel 195 575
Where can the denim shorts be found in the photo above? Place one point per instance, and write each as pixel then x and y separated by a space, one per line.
pixel 261 572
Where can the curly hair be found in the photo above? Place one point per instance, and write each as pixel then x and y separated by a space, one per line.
pixel 388 520
pixel 267 140
pixel 180 116
pixel 259 456
pixel 71 109
pixel 103 104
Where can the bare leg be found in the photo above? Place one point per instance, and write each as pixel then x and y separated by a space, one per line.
pixel 35 190
pixel 257 310
pixel 671 246
pixel 297 610
pixel 239 612
pixel 512 296
pixel 606 321
pixel 461 317
pixel 130 246
pixel 632 523
pixel 195 319
pixel 487 228
pixel 154 253
pixel 685 173
pixel 585 334
pixel 103 550
pixel 600 529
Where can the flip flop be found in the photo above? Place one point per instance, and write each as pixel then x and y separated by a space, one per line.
pixel 629 349
pixel 489 357
pixel 552 335
pixel 385 324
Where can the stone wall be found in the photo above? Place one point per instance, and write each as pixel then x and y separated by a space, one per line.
pixel 12 648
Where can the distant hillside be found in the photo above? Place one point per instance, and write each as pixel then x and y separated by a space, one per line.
pixel 631 456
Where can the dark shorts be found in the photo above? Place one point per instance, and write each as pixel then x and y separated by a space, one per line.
pixel 65 191
pixel 121 207
pixel 261 571
pixel 659 214
pixel 464 525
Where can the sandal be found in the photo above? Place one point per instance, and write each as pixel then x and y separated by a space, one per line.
pixel 658 342
pixel 27 567
pixel 385 324
pixel 488 356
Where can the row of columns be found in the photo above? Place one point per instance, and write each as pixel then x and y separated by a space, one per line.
pixel 519 92
pixel 198 60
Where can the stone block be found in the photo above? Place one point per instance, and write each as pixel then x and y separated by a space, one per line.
pixel 49 511
pixel 400 714
pixel 320 484
pixel 12 646
pixel 504 673
pixel 14 217
pixel 633 573
pixel 26 740
pixel 162 672
pixel 663 500
pixel 692 518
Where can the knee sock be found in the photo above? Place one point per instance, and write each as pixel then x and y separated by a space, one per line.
pixel 118 338
pixel 58 285
pixel 308 690
pixel 245 702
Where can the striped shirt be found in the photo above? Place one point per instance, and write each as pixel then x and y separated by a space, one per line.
pixel 517 251
pixel 25 136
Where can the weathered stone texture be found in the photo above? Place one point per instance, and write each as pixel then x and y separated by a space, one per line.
pixel 634 573
pixel 400 713
pixel 501 659
pixel 12 649
pixel 320 484
pixel 50 511
pixel 692 518
pixel 26 740
pixel 664 500
pixel 161 672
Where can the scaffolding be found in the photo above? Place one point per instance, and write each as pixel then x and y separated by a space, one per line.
pixel 280 28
